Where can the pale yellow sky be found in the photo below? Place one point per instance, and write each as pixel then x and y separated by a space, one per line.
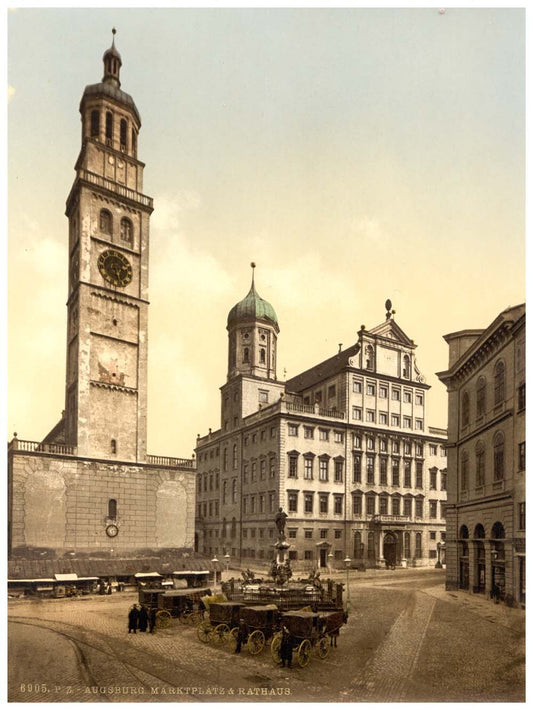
pixel 355 155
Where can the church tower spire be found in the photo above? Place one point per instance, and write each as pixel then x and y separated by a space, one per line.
pixel 109 223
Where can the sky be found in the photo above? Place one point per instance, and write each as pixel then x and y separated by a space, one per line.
pixel 354 155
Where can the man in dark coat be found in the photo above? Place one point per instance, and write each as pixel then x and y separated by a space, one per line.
pixel 152 619
pixel 143 619
pixel 242 635
pixel 285 650
pixel 133 619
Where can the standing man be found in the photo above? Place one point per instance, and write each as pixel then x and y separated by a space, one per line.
pixel 133 619
pixel 242 635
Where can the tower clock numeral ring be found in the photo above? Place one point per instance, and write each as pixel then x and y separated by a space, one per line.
pixel 115 268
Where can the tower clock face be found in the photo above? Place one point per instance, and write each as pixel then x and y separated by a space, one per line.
pixel 115 268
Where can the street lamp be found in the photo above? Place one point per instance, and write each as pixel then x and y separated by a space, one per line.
pixel 330 557
pixel 215 564
pixel 347 562
pixel 227 558
pixel 439 563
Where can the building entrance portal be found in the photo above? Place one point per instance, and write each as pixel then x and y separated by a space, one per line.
pixel 323 557
pixel 390 549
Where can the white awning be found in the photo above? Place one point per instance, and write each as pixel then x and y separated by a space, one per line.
pixel 147 574
pixel 66 577
pixel 183 571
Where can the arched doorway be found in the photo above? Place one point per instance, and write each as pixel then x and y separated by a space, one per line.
pixel 390 548
pixel 479 558
pixel 497 535
pixel 464 563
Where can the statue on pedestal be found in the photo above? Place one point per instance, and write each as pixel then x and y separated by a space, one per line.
pixel 280 520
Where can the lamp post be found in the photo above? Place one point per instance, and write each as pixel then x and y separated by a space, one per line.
pixel 439 563
pixel 227 558
pixel 347 562
pixel 330 557
pixel 215 564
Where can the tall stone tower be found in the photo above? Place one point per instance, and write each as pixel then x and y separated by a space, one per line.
pixel 109 227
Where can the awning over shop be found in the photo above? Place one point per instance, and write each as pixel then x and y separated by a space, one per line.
pixel 72 577
pixel 184 571
pixel 146 574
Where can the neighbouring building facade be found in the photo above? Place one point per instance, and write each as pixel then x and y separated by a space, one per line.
pixel 486 511
pixel 90 485
pixel 344 448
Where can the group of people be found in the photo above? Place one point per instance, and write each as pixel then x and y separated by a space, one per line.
pixel 141 618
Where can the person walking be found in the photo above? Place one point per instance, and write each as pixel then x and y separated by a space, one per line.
pixel 133 619
pixel 242 635
pixel 143 619
pixel 152 619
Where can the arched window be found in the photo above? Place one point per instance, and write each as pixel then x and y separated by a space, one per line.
pixel 106 222
pixel 113 446
pixel 357 551
pixel 234 491
pixel 464 471
pixel 406 367
pixel 123 133
pixel 371 548
pixel 479 532
pixel 95 124
pixel 407 544
pixel 262 356
pixel 109 127
pixel 246 355
pixel 133 143
pixel 224 491
pixel 480 464
pixel 233 527
pixel 497 532
pixel 234 455
pixel 463 532
pixel 112 508
pixel 481 397
pixel 418 545
pixel 126 230
pixel 499 383
pixel 225 460
pixel 369 350
pixel 499 450
pixel 465 409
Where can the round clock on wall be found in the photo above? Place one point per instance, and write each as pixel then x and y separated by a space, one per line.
pixel 111 530
pixel 115 268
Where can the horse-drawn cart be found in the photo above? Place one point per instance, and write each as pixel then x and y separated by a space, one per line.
pixel 223 616
pixel 307 630
pixel 261 623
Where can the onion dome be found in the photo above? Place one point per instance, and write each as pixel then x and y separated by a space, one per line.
pixel 253 308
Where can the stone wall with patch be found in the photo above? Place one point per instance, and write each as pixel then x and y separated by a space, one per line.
pixel 62 503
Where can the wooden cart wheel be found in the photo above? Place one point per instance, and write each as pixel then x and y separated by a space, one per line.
pixel 275 647
pixel 184 617
pixel 322 647
pixel 256 642
pixel 193 619
pixel 163 619
pixel 232 638
pixel 303 654
pixel 220 633
pixel 204 631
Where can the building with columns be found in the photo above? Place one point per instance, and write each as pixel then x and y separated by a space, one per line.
pixel 344 448
pixel 486 512
pixel 89 487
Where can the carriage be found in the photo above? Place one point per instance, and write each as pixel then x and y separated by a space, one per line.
pixel 223 616
pixel 261 623
pixel 182 604
pixel 308 631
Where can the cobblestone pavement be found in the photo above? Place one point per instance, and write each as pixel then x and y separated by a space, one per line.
pixel 407 639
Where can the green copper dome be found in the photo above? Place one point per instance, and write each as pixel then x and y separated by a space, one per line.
pixel 253 307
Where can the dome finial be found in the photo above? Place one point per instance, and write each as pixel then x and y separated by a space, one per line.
pixel 114 32
pixel 252 264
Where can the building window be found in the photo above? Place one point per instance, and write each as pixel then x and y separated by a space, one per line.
pixel 254 471
pixel 371 415
pixel 263 396
pixel 308 533
pixel 395 446
pixel 480 464
pixel 383 505
pixel 262 356
pixel 337 505
pixel 332 391
pixel 323 434
pixel 396 506
pixel 318 397
pixel 419 450
pixel 357 469
pixel 293 430
pixel 407 449
pixel 522 397
pixel 371 389
pixel 338 534
pixel 407 474
pixel 419 507
pixel 396 471
pixel 383 418
pixel 323 469
pixel 522 456
pixel 108 127
pixel 407 396
pixel 395 419
pixel 339 471
pixel 406 372
pixel 106 222
pixel 464 472
pixel 465 409
pixel 395 395
pixel 293 502
pixel 234 456
pixel 262 469
pixel 383 391
pixel 357 386
pixel 521 516
pixel 407 423
pixel 383 446
pixel 308 468
pixel 498 457
pixel 433 479
pixel 292 532
pixel 443 481
pixel 407 545
pixel 123 133
pixel 338 437
pixel 432 449
pixel 407 506
pixel 371 504
pixel 369 357
pixel 308 502
pixel 370 469
pixel 419 475
pixel 357 441
pixel 418 545
pixel 308 432
pixel 418 424
pixel 95 124
pixel 134 143
pixel 383 470
pixel 419 399
pixel 323 503
pixel 481 397
pixel 432 508
pixel 308 554
pixel 357 413
pixel 499 383
pixel 272 463
pixel 112 508
pixel 357 503
pixel 370 443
